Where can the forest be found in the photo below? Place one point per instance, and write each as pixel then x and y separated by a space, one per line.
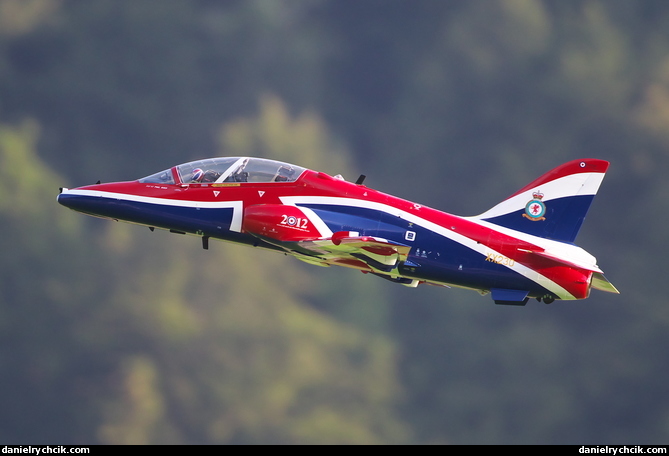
pixel 112 334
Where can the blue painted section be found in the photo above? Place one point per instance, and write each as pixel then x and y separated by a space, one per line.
pixel 368 222
pixel 500 294
pixel 563 219
pixel 213 222
pixel 433 257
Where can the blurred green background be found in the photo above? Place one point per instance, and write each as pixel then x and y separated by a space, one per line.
pixel 112 334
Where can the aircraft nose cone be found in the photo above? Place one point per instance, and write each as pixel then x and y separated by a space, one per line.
pixel 65 199
pixel 97 203
pixel 79 202
pixel 59 199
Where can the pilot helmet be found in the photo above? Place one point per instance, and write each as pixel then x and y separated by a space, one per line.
pixel 198 174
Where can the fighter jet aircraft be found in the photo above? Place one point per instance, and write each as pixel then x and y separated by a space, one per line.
pixel 522 248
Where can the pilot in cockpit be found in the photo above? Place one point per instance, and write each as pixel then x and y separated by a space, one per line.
pixel 208 176
pixel 284 174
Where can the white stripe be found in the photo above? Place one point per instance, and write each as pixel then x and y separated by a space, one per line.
pixel 569 252
pixel 438 229
pixel 318 223
pixel 236 206
pixel 572 185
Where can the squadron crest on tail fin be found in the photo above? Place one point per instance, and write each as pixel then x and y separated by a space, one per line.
pixel 535 208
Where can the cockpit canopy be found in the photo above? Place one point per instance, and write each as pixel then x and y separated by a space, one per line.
pixel 227 169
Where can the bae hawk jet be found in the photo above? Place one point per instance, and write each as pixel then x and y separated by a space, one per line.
pixel 521 248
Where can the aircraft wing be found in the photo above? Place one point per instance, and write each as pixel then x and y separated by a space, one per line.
pixel 378 253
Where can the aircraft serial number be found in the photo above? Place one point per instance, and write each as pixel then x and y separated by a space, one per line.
pixel 499 259
pixel 297 222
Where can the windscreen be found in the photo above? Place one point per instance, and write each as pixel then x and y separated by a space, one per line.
pixel 163 177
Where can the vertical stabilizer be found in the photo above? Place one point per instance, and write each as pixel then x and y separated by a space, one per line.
pixel 554 205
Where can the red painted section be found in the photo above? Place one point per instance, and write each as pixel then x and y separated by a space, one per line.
pixel 575 281
pixel 588 165
pixel 283 223
pixel 311 183
pixel 351 263
pixel 380 250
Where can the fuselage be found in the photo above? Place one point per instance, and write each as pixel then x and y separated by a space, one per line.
pixel 443 249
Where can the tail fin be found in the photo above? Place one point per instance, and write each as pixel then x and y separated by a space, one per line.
pixel 554 205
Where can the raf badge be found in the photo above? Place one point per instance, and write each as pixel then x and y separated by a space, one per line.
pixel 535 209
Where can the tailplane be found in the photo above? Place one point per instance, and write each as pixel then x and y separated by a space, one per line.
pixel 554 205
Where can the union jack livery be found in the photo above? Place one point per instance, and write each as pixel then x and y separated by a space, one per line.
pixel 522 248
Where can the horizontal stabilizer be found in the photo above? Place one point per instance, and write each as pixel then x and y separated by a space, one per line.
pixel 600 282
pixel 565 262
